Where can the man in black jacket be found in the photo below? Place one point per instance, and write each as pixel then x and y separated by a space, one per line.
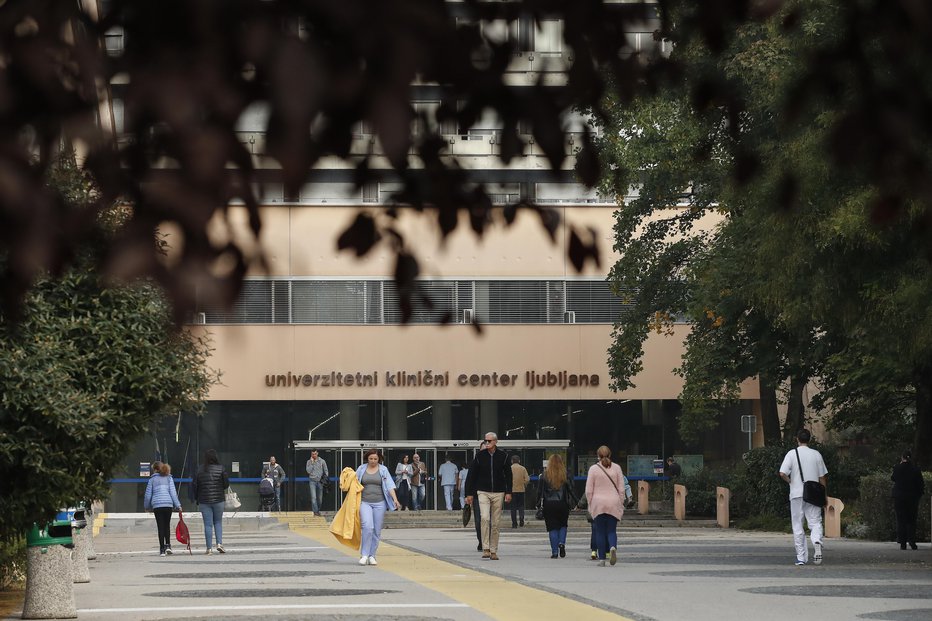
pixel 490 479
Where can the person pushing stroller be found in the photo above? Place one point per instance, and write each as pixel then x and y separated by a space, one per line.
pixel 266 493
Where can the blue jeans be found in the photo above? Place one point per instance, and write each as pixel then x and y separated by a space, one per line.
pixel 418 492
pixel 213 521
pixel 557 536
pixel 371 517
pixel 278 498
pixel 606 538
pixel 317 495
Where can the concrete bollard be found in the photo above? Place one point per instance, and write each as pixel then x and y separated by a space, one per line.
pixel 89 534
pixel 643 497
pixel 679 502
pixel 723 498
pixel 79 569
pixel 49 585
pixel 833 517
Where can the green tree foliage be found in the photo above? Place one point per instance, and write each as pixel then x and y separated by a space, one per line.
pixel 788 278
pixel 85 371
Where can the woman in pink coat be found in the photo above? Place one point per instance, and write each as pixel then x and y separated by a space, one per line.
pixel 605 491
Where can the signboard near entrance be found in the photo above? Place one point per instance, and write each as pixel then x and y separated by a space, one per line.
pixel 641 466
pixel 584 462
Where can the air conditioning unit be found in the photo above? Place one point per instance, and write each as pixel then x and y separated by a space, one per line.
pixel 469 315
pixel 569 317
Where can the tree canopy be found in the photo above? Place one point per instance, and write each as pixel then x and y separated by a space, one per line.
pixel 86 370
pixel 796 281
pixel 189 69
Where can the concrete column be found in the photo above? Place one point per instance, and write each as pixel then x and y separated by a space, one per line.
pixel 89 514
pixel 679 502
pixel 79 569
pixel 49 585
pixel 723 497
pixel 397 420
pixel 443 420
pixel 643 497
pixel 488 418
pixel 349 420
pixel 833 517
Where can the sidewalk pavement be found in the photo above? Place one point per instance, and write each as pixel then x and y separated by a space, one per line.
pixel 662 574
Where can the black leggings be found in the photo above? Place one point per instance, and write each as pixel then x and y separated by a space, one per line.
pixel 163 519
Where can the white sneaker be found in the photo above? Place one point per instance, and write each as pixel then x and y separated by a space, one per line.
pixel 612 556
pixel 364 560
pixel 817 557
pixel 372 561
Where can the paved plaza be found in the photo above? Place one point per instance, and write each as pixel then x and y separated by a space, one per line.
pixel 663 573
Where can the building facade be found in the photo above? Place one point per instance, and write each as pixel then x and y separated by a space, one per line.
pixel 314 354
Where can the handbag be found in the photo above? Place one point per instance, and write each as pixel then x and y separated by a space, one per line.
pixel 231 500
pixel 540 514
pixel 813 491
pixel 182 535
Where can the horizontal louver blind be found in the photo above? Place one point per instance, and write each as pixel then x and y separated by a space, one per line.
pixel 377 302
pixel 593 302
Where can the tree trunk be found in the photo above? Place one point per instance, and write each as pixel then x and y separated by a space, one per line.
pixel 922 441
pixel 795 412
pixel 770 418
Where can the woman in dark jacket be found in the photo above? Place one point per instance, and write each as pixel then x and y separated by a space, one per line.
pixel 555 496
pixel 210 484
pixel 908 488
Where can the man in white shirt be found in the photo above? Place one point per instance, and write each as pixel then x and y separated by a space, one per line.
pixel 448 475
pixel 813 469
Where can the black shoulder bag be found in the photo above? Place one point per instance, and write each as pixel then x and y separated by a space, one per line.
pixel 813 491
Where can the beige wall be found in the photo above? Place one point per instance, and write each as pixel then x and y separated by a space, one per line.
pixel 302 241
pixel 245 355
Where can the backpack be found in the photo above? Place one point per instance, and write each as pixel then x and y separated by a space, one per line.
pixel 266 487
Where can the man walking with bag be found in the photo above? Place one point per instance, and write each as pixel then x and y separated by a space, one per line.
pixel 801 468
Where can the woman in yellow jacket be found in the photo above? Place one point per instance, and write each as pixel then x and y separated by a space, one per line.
pixel 369 494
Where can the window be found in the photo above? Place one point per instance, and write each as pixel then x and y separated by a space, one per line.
pixel 333 301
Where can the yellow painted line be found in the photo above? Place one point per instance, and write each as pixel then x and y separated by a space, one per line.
pixel 98 523
pixel 492 595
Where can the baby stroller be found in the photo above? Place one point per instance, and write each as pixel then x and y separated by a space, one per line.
pixel 266 494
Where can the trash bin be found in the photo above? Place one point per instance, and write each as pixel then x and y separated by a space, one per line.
pixel 49 585
pixel 80 571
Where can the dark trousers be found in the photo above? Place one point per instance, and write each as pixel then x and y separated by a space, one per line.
pixel 163 521
pixel 906 511
pixel 477 517
pixel 517 508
